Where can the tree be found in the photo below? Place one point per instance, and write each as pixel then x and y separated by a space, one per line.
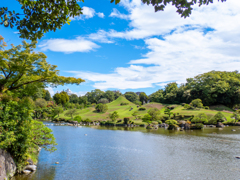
pixel 71 113
pixel 20 134
pixel 184 7
pixel 143 97
pixel 94 95
pixel 109 95
pixel 168 112
pixel 103 101
pixel 135 114
pixel 20 66
pixel 173 124
pixel 219 117
pixel 197 103
pixel 73 98
pixel 77 118
pixel 83 100
pixel 47 96
pixel 57 110
pixel 131 96
pixel 40 103
pixel 39 17
pixel 61 98
pixel 154 113
pixel 113 116
pixel 200 118
pixel 147 118
pixel 236 116
pixel 101 107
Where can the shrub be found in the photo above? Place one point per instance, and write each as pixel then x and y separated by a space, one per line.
pixel 206 107
pixel 119 121
pixel 77 118
pixel 126 120
pixel 172 124
pixel 200 118
pixel 159 122
pixel 101 107
pixel 197 103
pixel 124 103
pixel 103 101
pixel 181 117
pixel 142 109
pixel 183 104
pixel 187 106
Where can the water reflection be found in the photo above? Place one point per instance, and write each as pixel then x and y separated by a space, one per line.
pixel 138 153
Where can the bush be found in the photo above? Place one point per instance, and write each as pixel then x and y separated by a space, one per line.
pixel 77 118
pixel 142 109
pixel 101 107
pixel 103 101
pixel 206 107
pixel 183 104
pixel 159 122
pixel 126 120
pixel 181 117
pixel 119 121
pixel 124 103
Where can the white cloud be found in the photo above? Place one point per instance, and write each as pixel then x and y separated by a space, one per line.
pixel 68 45
pixel 87 14
pixel 185 48
pixel 179 55
pixel 51 91
pixel 100 36
pixel 101 15
pixel 116 13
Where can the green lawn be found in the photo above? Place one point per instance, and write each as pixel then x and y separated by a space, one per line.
pixel 124 111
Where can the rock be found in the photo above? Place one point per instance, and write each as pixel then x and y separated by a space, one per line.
pixel 219 124
pixel 31 167
pixel 233 130
pixel 26 171
pixel 7 165
pixel 187 126
pixel 56 162
pixel 30 162
pixel 155 126
pixel 212 126
pixel 237 124
pixel 238 157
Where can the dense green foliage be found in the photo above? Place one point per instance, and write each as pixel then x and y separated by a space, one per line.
pixel 113 116
pixel 21 67
pixel 19 134
pixel 143 97
pixel 131 96
pixel 214 87
pixel 101 107
pixel 61 98
pixel 39 17
pixel 200 118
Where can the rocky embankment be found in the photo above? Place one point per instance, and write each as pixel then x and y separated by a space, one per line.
pixel 7 165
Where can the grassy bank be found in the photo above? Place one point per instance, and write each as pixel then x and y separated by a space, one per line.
pixel 127 111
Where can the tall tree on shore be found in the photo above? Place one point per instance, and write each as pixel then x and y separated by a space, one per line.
pixel 21 66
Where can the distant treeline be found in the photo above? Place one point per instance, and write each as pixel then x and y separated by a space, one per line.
pixel 214 87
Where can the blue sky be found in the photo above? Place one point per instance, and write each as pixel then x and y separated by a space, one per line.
pixel 129 47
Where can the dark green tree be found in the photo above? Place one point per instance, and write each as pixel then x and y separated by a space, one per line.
pixel 143 97
pixel 109 95
pixel 131 96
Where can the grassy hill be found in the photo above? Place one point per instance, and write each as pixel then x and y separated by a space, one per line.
pixel 125 110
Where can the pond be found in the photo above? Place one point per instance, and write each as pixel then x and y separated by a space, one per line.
pixel 136 153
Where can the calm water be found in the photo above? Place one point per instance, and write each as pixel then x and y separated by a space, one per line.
pixel 137 153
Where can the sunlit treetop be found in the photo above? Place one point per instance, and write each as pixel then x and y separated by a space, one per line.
pixel 21 66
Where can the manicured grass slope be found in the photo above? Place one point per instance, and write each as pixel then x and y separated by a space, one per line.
pixel 227 112
pixel 124 111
